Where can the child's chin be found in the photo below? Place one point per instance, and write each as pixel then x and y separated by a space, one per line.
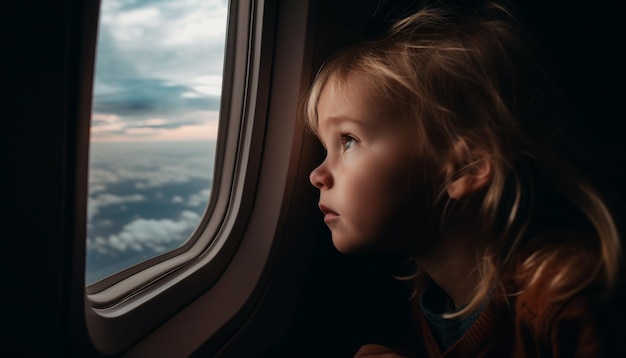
pixel 349 247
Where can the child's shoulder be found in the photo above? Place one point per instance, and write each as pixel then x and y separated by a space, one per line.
pixel 580 325
pixel 562 300
pixel 556 269
pixel 540 305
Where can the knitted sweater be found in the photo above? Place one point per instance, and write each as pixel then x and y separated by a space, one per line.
pixel 531 324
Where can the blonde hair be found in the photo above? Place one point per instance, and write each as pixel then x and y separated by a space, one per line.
pixel 471 80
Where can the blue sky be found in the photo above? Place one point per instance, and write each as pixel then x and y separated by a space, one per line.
pixel 158 70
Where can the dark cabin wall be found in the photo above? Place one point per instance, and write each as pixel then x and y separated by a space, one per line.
pixel 41 47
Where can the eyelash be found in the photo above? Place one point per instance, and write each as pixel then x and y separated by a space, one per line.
pixel 344 139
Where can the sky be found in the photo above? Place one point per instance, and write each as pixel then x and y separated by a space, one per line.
pixel 158 70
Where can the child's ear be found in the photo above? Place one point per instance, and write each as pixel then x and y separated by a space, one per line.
pixel 476 177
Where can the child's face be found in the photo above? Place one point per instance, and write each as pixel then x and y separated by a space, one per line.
pixel 367 182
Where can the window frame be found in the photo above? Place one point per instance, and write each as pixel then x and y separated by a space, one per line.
pixel 123 308
pixel 117 287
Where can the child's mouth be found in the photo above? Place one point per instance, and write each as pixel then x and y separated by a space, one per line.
pixel 329 215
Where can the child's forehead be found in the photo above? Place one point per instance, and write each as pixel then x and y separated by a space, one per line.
pixel 355 87
pixel 360 99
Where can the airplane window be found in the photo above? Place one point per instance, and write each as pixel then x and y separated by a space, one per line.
pixel 156 99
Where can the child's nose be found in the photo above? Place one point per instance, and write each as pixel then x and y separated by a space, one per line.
pixel 320 177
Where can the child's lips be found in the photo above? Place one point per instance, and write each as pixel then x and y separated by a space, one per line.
pixel 329 215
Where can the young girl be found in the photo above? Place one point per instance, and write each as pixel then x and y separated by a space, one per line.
pixel 442 141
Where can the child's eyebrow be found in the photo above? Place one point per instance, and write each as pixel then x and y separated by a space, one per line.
pixel 341 119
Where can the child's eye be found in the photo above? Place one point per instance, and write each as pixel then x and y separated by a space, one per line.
pixel 347 141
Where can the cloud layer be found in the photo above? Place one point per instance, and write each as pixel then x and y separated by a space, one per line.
pixel 144 199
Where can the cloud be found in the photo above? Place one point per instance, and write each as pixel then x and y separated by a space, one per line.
pixel 157 59
pixel 147 235
pixel 144 178
pixel 99 177
pixel 142 98
pixel 105 199
pixel 145 165
pixel 199 198
pixel 167 174
pixel 196 126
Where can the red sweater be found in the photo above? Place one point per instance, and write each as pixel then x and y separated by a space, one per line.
pixel 530 325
